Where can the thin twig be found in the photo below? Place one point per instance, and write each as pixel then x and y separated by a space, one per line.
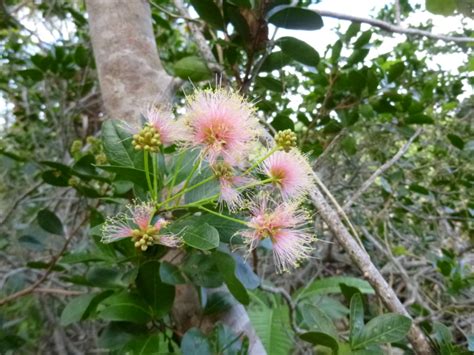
pixel 393 28
pixel 367 183
pixel 19 199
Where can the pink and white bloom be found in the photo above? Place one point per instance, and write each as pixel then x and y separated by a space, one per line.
pixel 170 130
pixel 285 226
pixel 222 124
pixel 291 172
pixel 137 224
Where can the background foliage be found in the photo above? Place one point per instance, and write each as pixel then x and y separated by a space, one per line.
pixel 352 107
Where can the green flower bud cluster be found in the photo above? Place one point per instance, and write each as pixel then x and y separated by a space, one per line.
pixel 76 147
pixel 222 170
pixel 148 139
pixel 142 239
pixel 101 159
pixel 74 181
pixel 286 140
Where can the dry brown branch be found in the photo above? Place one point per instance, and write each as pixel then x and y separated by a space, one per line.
pixel 393 28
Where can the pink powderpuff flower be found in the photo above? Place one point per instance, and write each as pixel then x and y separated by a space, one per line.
pixel 222 124
pixel 284 225
pixel 170 130
pixel 229 183
pixel 137 224
pixel 291 172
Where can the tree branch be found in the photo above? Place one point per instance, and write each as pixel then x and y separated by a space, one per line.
pixel 393 28
pixel 360 257
pixel 380 171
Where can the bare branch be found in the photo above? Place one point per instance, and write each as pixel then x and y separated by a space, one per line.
pixel 381 170
pixel 393 28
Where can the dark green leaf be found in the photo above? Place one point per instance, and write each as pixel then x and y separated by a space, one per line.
pixel 203 237
pixel 275 61
pixel 356 317
pixel 76 309
pixel 282 122
pixel 202 270
pixel 295 18
pixel 81 56
pixel 55 178
pixel 318 338
pixel 386 328
pixel 353 29
pixel 117 144
pixel 332 285
pixel 395 70
pixel 218 302
pixel 298 50
pixel 456 141
pixel 269 83
pixel 336 51
pixel 316 319
pixel 31 74
pixel 195 342
pixel 357 56
pixel 192 68
pixel 170 274
pixel 419 119
pixel 125 307
pixel 30 242
pixel 209 12
pixel 50 222
pixel 159 296
pixel 349 145
pixel 226 265
pixel 363 39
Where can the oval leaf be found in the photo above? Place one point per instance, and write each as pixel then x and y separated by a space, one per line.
pixel 203 237
pixel 299 50
pixel 318 338
pixel 192 68
pixel 50 222
pixel 295 18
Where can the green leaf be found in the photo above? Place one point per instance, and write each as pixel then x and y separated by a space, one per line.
pixel 282 122
pixel 419 119
pixel 170 274
pixel 226 266
pixel 295 18
pixel 386 328
pixel 117 144
pixel 146 344
pixel 209 12
pixel 125 307
pixel 336 51
pixel 31 242
pixel 275 61
pixel 353 29
pixel 159 296
pixel 126 173
pixel 349 145
pixel 363 39
pixel 55 178
pixel 356 316
pixel 203 237
pixel 269 83
pixel 456 141
pixel 332 285
pixel 316 319
pixel 48 221
pixel 441 7
pixel 76 309
pixel 31 74
pixel 395 70
pixel 202 270
pixel 82 56
pixel 358 55
pixel 208 189
pixel 272 326
pixel 318 338
pixel 298 50
pixel 218 302
pixel 195 342
pixel 192 68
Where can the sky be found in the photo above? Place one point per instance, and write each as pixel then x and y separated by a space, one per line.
pixel 322 38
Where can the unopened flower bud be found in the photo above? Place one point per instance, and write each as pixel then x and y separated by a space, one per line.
pixel 286 139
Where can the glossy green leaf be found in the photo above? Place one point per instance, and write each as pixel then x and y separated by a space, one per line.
pixel 202 270
pixel 218 302
pixel 295 18
pixel 192 68
pixel 170 274
pixel 209 12
pixel 125 307
pixel 275 61
pixel 419 119
pixel 153 344
pixel 356 316
pixel 203 237
pixel 332 285
pixel 76 309
pixel 298 50
pixel 117 144
pixel 395 70
pixel 456 141
pixel 48 221
pixel 195 342
pixel 386 328
pixel 318 338
pixel 315 318
pixel 159 295
pixel 226 266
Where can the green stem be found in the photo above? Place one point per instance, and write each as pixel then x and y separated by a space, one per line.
pixel 147 173
pixel 155 173
pixel 223 216
pixel 257 163
pixel 182 192
pixel 191 174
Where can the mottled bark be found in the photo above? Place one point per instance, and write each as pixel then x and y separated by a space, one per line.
pixel 130 72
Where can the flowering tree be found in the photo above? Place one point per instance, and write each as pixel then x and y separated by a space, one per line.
pixel 202 184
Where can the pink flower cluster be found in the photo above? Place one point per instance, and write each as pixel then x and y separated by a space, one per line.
pixel 224 127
